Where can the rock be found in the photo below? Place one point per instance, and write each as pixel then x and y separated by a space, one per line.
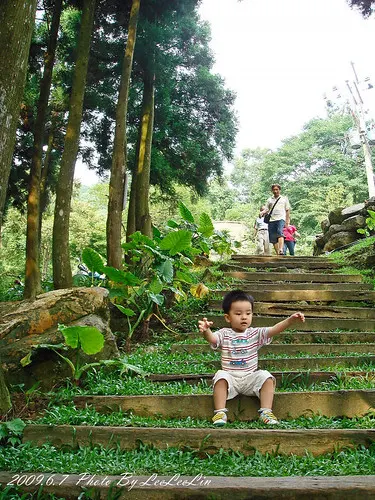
pixel 335 216
pixel 353 210
pixel 334 228
pixel 325 225
pixel 340 239
pixel 32 323
pixel 353 223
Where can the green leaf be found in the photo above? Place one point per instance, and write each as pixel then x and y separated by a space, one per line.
pixel 3 431
pixel 126 278
pixel 17 425
pixel 125 310
pixel 186 277
pixel 185 213
pixel 172 223
pixel 165 269
pixel 204 247
pixel 156 286
pixel 206 226
pixel 157 298
pixel 26 360
pixel 177 241
pixel 93 260
pixel 89 338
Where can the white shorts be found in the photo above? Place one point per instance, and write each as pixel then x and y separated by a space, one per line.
pixel 249 385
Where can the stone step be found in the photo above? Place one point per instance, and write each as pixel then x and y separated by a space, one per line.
pixel 246 441
pixel 315 363
pixel 311 337
pixel 287 349
pixel 288 263
pixel 261 286
pixel 155 487
pixel 350 403
pixel 309 310
pixel 292 377
pixel 270 258
pixel 286 277
pixel 317 295
pixel 311 324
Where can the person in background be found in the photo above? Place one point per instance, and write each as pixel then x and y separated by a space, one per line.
pixel 261 235
pixel 290 234
pixel 279 209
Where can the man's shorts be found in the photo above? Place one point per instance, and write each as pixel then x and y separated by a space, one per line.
pixel 275 230
pixel 249 385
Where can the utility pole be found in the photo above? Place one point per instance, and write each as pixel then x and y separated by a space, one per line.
pixel 359 120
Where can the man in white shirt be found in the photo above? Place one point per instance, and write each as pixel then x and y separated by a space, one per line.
pixel 279 208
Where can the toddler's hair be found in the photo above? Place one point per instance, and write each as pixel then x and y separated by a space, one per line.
pixel 236 296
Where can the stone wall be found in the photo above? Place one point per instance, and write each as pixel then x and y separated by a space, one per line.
pixel 340 228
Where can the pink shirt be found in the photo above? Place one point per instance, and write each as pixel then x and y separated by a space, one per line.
pixel 289 233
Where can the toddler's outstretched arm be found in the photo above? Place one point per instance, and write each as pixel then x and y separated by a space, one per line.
pixel 204 327
pixel 286 323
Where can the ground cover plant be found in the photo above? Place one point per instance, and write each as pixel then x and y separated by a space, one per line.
pixel 147 460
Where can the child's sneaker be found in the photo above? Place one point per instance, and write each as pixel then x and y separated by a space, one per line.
pixel 267 417
pixel 220 418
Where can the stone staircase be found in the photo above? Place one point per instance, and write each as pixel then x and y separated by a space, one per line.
pixel 337 337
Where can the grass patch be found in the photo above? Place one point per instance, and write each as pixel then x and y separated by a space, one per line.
pixel 70 415
pixel 147 460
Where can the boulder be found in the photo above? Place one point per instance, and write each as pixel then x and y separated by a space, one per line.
pixel 325 225
pixel 334 228
pixel 353 223
pixel 27 323
pixel 340 239
pixel 353 210
pixel 335 216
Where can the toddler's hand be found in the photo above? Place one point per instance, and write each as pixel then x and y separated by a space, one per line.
pixel 204 325
pixel 298 316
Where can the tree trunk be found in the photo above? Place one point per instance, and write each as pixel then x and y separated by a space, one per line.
pixel 118 168
pixel 62 273
pixel 16 26
pixel 139 212
pixel 5 403
pixel 32 273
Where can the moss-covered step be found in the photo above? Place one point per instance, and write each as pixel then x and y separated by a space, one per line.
pixel 199 487
pixel 309 337
pixel 277 258
pixel 310 311
pixel 284 263
pixel 292 277
pixel 246 441
pixel 317 295
pixel 349 403
pixel 312 324
pixel 288 349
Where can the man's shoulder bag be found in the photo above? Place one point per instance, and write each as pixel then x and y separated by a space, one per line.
pixel 267 217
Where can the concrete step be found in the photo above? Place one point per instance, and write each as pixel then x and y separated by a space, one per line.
pixel 350 403
pixel 292 377
pixel 287 349
pixel 292 277
pixel 246 441
pixel 155 487
pixel 310 337
pixel 309 310
pixel 308 295
pixel 312 324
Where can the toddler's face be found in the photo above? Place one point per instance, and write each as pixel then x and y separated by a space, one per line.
pixel 240 315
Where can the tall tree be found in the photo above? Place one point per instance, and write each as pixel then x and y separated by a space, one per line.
pixel 32 272
pixel 62 274
pixel 117 183
pixel 16 25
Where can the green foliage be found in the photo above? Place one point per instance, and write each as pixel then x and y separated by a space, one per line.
pixel 11 431
pixel 370 224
